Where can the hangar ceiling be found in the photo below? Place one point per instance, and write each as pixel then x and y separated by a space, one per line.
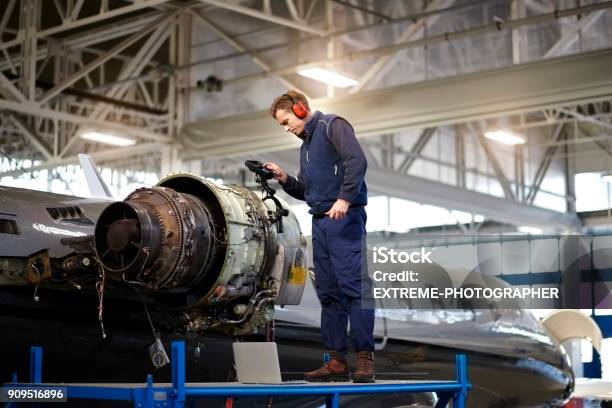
pixel 189 81
pixel 556 85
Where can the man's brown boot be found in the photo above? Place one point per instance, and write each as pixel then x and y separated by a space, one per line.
pixel 365 367
pixel 336 369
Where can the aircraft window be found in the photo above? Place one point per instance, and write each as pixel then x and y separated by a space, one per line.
pixel 8 227
pixel 69 214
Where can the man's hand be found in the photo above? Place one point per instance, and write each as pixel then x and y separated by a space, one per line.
pixel 279 174
pixel 338 210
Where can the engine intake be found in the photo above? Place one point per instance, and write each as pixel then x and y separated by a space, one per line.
pixel 214 251
pixel 158 237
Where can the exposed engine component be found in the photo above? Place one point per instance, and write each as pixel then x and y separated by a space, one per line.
pixel 210 250
pixel 159 238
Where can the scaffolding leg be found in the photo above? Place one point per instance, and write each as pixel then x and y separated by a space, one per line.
pixel 459 400
pixel 14 381
pixel 332 401
pixel 150 400
pixel 460 396
pixel 35 365
pixel 178 374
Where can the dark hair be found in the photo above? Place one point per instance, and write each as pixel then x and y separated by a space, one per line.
pixel 284 102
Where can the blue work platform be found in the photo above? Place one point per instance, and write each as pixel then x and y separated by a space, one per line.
pixel 178 393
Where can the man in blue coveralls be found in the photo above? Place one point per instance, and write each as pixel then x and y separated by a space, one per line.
pixel 331 181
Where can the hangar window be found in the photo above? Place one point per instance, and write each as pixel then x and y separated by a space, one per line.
pixel 593 192
pixel 8 227
pixel 69 214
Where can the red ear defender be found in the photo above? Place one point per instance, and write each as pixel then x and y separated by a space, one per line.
pixel 298 108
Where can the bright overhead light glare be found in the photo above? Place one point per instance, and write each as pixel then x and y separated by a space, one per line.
pixel 607 178
pixel 108 139
pixel 328 77
pixel 507 137
pixel 526 229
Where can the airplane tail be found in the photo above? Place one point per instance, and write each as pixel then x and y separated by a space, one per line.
pixel 97 186
pixel 566 324
pixel 571 324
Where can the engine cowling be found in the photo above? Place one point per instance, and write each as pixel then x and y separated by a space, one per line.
pixel 212 250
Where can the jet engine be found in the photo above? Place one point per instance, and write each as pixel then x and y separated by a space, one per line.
pixel 221 254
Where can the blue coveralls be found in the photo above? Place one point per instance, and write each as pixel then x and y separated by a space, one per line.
pixel 332 166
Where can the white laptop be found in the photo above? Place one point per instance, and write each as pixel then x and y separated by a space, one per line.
pixel 257 363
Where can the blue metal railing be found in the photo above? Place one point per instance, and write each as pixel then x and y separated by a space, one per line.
pixel 149 395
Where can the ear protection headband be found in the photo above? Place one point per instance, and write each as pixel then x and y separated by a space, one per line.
pixel 298 108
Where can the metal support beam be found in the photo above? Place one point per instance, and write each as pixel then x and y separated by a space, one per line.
pixel 519 38
pixel 84 40
pixel 240 47
pixel 520 88
pixel 293 11
pixel 138 63
pixel 549 154
pixel 330 48
pixel 76 10
pixel 352 4
pixel 30 21
pixel 183 57
pixel 109 31
pixel 13 93
pixel 134 67
pixel 499 173
pixel 519 172
pixel 416 149
pixel 103 58
pixel 540 8
pixel 386 146
pixel 570 173
pixel 8 10
pixel 586 118
pixel 372 160
pixel 444 195
pixel 436 39
pixel 99 156
pixel 431 192
pixel 170 160
pixel 60 9
pixel 460 157
pixel 100 17
pixel 31 136
pixel 36 110
pixel 567 39
pixel 311 7
pixel 387 61
pixel 266 17
pixel 267 7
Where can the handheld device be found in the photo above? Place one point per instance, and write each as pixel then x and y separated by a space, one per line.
pixel 258 168
pixel 262 175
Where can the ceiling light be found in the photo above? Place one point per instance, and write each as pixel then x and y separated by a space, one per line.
pixel 526 229
pixel 108 139
pixel 607 178
pixel 328 77
pixel 507 137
